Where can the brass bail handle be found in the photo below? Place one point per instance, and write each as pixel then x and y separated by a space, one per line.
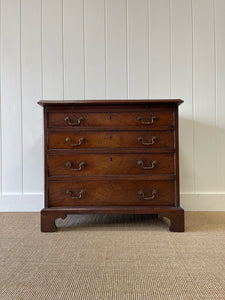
pixel 152 119
pixel 141 163
pixel 69 164
pixel 141 193
pixel 81 140
pixel 71 123
pixel 80 194
pixel 141 139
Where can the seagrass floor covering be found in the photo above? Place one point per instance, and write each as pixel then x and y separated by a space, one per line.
pixel 112 257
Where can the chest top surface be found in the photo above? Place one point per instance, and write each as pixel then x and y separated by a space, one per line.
pixel 110 102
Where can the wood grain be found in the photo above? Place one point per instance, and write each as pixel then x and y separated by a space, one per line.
pixel 108 164
pixel 111 192
pixel 87 164
pixel 87 102
pixel 112 139
pixel 103 120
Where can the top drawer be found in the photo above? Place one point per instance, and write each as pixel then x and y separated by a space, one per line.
pixel 138 120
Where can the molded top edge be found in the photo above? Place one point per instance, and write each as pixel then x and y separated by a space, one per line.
pixel 110 102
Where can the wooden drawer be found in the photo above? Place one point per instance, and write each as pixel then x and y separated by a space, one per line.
pixel 119 119
pixel 111 193
pixel 130 139
pixel 110 164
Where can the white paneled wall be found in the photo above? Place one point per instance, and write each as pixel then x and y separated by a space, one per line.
pixel 160 49
pixel 11 99
pixel 113 49
pixel 116 49
pixel 73 49
pixel 181 86
pixel 220 92
pixel 52 49
pixel 31 90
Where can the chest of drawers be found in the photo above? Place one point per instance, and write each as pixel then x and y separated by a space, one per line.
pixel 113 156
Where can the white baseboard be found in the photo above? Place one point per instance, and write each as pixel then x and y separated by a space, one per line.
pixel 203 202
pixel 35 202
pixel 21 202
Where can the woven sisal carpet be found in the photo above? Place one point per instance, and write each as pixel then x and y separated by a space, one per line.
pixel 112 257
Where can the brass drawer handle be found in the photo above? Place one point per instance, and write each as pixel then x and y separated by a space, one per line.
pixel 141 192
pixel 81 194
pixel 141 119
pixel 141 163
pixel 81 140
pixel 70 165
pixel 154 138
pixel 69 122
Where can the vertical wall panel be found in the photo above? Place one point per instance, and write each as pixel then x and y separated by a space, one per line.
pixel 0 100
pixel 31 93
pixel 52 49
pixel 11 97
pixel 160 52
pixel 94 34
pixel 138 48
pixel 181 86
pixel 220 91
pixel 116 63
pixel 204 96
pixel 73 49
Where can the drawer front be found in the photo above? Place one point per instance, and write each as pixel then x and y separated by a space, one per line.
pixel 107 119
pixel 135 139
pixel 111 193
pixel 114 164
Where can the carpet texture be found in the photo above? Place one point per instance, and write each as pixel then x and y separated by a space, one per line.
pixel 114 257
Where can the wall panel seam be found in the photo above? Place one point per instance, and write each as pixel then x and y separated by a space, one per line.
pixel 170 24
pixel 63 68
pixel 216 96
pixel 148 7
pixel 41 48
pixel 84 49
pixel 127 49
pixel 193 102
pixel 1 94
pixel 42 63
pixel 105 38
pixel 42 90
pixel 21 100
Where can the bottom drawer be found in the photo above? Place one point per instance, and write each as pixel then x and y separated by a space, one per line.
pixel 111 193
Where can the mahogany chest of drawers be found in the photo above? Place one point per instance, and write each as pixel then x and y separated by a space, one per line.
pixel 112 156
